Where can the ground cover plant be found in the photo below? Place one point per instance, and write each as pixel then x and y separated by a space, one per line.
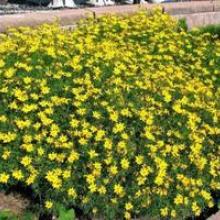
pixel 118 118
pixel 212 29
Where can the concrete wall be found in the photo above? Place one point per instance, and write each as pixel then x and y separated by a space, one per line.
pixel 201 19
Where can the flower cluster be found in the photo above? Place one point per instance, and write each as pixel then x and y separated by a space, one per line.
pixel 119 117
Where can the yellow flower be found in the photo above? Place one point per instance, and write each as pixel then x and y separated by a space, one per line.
pixel 66 174
pixel 108 144
pixel 119 127
pixel 72 193
pixel 100 134
pixel 27 80
pixel 94 210
pixel 3 118
pixel 52 156
pixel 127 215
pixel 4 178
pixel 118 189
pixel 139 159
pixel 196 209
pixel 173 213
pixel 17 174
pixel 145 171
pixel 26 161
pixel 93 187
pixel 48 204
pixel 92 154
pixel 113 170
pixel 177 108
pixel 30 180
pixel 124 136
pixel 178 199
pixel 114 201
pixel 102 190
pixel 28 147
pixel 167 96
pixel 90 178
pixel 128 206
pixel 114 116
pixel 20 95
pixel 74 156
pixel 159 180
pixel 210 204
pixel 149 135
pixel 23 124
pixel 40 151
pixel 53 178
pixel 2 63
pixel 164 212
pixel 6 154
pixel 124 164
pixel 45 90
pixel 207 196
pixel 96 115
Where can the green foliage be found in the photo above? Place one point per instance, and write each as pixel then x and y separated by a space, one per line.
pixel 7 215
pixel 28 215
pixel 214 30
pixel 64 213
pixel 182 24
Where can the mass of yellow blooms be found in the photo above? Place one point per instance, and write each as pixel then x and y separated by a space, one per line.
pixel 119 117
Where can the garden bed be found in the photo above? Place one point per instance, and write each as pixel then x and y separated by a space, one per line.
pixel 118 118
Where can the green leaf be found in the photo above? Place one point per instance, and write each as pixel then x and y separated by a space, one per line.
pixel 65 214
pixel 28 216
pixel 7 215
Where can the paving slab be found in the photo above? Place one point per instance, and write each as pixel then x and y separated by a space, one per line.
pixel 215 217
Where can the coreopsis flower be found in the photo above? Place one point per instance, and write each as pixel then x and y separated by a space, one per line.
pixel 4 177
pixel 48 204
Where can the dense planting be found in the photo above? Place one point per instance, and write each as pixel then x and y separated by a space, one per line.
pixel 119 117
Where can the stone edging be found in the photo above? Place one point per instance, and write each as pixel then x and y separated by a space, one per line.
pixel 68 17
pixel 215 217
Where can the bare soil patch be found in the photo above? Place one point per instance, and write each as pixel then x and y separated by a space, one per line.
pixel 13 202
